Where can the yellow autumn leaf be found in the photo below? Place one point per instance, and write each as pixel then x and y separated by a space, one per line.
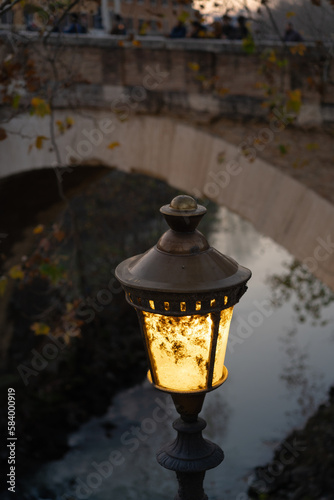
pixel 69 306
pixel 40 107
pixel 38 229
pixel 136 43
pixel 272 57
pixel 223 91
pixel 113 145
pixel 312 146
pixel 143 29
pixel 184 16
pixel 290 14
pixel 3 285
pixel 60 126
pixel 40 328
pixel 39 141
pixel 69 121
pixel 59 234
pixel 295 100
pixel 16 272
pixel 193 66
pixel 295 95
pixel 36 101
pixel 298 49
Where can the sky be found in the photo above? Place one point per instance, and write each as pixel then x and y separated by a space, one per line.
pixel 236 4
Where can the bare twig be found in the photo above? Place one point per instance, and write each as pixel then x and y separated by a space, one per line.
pixel 7 5
pixel 58 22
pixel 79 259
pixel 273 22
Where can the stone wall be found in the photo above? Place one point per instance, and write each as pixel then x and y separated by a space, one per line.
pixel 108 71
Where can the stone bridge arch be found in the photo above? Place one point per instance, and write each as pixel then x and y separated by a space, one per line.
pixel 193 160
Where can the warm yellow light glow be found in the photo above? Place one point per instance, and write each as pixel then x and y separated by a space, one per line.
pixel 224 327
pixel 180 349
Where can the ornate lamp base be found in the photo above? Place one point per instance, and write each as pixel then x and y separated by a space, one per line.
pixel 190 455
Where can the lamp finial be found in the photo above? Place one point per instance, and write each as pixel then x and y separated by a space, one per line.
pixel 183 214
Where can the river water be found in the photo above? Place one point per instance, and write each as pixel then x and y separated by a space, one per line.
pixel 280 363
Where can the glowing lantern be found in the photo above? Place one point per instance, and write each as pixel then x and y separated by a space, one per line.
pixel 184 292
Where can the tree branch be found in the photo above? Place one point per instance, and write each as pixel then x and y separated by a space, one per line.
pixel 273 22
pixel 64 14
pixel 7 5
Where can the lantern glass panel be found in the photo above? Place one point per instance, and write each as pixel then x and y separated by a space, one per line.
pixel 179 349
pixel 224 327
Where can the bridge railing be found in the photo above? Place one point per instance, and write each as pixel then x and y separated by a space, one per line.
pixel 209 76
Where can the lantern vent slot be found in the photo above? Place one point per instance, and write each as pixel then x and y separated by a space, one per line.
pixel 130 298
pixel 225 300
pixel 213 302
pixel 166 306
pixel 198 305
pixel 183 306
pixel 152 306
pixel 139 300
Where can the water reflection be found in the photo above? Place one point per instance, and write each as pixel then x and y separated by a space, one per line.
pixel 311 303
pixel 302 382
pixel 218 414
pixel 309 296
pixel 277 374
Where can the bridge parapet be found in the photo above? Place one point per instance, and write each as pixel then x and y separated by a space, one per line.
pixel 157 75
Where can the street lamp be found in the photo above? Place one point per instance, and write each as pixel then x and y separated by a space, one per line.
pixel 184 292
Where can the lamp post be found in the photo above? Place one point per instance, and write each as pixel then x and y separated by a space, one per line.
pixel 184 292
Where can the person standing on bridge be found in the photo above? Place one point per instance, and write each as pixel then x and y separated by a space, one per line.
pixel 119 27
pixel 242 30
pixel 228 31
pixel 75 26
pixel 179 30
pixel 291 35
pixel 198 30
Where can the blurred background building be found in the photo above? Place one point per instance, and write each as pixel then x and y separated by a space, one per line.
pixel 152 17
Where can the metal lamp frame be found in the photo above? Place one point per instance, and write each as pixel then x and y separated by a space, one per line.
pixel 183 276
